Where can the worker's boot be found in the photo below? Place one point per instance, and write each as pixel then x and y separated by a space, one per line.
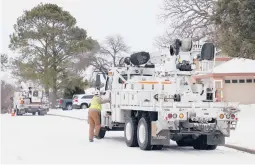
pixel 97 137
pixel 91 140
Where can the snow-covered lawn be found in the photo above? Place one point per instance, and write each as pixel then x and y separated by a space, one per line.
pixel 59 140
pixel 243 136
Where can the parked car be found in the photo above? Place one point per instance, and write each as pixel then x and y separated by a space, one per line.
pixel 82 101
pixel 64 104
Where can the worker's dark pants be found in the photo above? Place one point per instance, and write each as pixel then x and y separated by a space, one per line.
pixel 94 123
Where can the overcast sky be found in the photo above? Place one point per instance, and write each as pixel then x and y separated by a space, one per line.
pixel 135 20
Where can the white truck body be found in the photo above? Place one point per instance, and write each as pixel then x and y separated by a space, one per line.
pixel 154 104
pixel 30 101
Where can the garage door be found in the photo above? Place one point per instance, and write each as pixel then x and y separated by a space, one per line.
pixel 242 91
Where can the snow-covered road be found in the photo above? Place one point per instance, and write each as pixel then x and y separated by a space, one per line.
pixel 52 139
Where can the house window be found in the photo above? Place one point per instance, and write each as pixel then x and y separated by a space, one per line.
pixel 227 81
pixel 234 81
pixel 242 81
pixel 249 81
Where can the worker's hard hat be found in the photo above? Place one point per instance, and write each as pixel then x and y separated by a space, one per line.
pixel 97 92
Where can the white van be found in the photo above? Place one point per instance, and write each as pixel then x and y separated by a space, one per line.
pixel 82 101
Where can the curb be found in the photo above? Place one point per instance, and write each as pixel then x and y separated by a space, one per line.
pixel 251 151
pixel 247 150
pixel 70 117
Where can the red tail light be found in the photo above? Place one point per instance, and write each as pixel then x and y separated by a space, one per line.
pixel 169 115
pixel 60 101
pixel 75 100
pixel 233 116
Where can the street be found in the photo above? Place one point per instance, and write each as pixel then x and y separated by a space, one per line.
pixel 53 139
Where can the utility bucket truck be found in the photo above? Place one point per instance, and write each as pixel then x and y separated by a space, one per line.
pixel 154 101
pixel 30 100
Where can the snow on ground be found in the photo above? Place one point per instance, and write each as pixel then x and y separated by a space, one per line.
pixel 243 136
pixel 52 139
pixel 76 113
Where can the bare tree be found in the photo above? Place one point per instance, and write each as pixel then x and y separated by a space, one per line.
pixel 114 48
pixel 109 54
pixel 187 18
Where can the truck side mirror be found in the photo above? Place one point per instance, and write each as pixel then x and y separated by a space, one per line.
pixel 208 50
pixel 98 80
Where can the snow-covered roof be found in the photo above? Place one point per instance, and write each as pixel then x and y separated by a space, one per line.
pixel 236 65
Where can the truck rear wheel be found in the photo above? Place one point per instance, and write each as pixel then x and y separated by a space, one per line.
pixel 211 147
pixel 130 132
pixel 144 134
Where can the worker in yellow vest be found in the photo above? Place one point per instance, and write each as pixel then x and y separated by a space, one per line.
pixel 94 115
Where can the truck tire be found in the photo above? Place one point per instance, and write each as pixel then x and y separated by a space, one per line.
pixel 157 147
pixel 211 147
pixel 130 132
pixel 101 133
pixel 33 113
pixel 144 134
